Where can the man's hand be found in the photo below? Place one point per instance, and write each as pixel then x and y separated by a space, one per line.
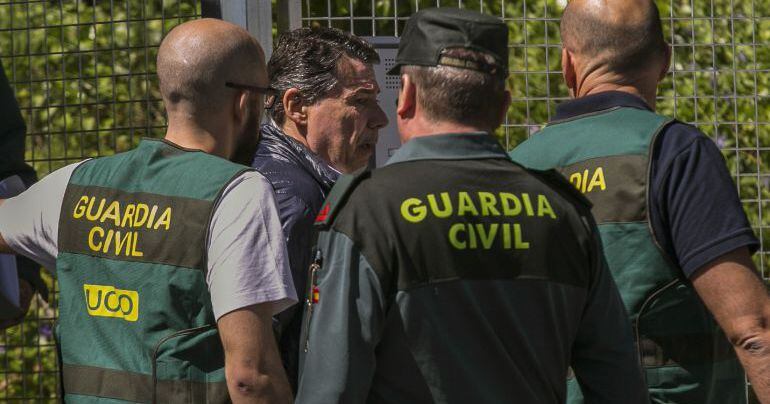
pixel 731 289
pixel 26 293
pixel 252 366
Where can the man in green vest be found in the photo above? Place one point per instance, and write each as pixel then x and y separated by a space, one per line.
pixel 452 275
pixel 169 257
pixel 676 238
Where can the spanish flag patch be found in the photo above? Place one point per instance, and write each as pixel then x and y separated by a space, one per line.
pixel 316 294
pixel 323 213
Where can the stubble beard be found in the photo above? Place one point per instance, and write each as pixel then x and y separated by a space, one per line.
pixel 248 142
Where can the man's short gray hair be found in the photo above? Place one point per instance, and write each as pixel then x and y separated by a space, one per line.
pixel 460 95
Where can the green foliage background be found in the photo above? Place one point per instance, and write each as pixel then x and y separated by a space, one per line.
pixel 83 72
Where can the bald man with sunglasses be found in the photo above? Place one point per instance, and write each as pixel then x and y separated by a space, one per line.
pixel 169 257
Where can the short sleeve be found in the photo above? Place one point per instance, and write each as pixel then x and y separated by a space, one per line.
pixel 696 212
pixel 29 222
pixel 247 262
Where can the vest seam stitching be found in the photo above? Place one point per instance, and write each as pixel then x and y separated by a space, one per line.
pixel 643 221
pixel 586 115
pixel 603 157
pixel 503 156
pixel 435 282
pixel 648 194
pixel 61 208
pixel 119 260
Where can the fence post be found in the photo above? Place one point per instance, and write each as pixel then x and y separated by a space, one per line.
pixel 289 15
pixel 255 16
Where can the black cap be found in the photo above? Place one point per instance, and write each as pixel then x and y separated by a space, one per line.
pixel 430 31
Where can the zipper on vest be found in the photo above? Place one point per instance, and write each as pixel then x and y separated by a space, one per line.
pixel 313 295
pixel 161 342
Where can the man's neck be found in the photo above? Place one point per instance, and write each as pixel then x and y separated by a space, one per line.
pixel 600 80
pixel 424 128
pixel 650 100
pixel 194 137
pixel 288 128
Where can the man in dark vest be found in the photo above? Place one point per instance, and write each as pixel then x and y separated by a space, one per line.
pixel 676 238
pixel 169 257
pixel 452 274
pixel 15 176
pixel 324 121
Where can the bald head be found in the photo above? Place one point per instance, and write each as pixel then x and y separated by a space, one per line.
pixel 622 35
pixel 195 60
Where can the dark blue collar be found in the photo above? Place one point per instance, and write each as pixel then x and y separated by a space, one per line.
pixel 280 145
pixel 598 102
pixel 451 146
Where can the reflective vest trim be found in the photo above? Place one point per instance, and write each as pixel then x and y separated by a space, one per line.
pixel 137 387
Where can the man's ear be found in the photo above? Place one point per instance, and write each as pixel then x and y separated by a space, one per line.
pixel 666 64
pixel 504 109
pixel 568 70
pixel 294 107
pixel 407 98
pixel 241 106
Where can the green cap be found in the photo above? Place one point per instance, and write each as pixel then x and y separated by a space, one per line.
pixel 431 31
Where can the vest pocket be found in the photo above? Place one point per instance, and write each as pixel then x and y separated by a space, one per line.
pixel 188 367
pixel 685 355
pixel 716 383
pixel 675 329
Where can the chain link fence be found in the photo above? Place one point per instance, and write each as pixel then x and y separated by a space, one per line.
pixel 83 72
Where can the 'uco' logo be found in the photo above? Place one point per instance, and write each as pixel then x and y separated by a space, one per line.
pixel 106 301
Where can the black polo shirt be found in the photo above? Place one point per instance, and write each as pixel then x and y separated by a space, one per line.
pixel 696 213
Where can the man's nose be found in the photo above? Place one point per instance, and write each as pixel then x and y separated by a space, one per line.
pixel 379 119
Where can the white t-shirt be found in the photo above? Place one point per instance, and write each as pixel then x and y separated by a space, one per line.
pixel 247 261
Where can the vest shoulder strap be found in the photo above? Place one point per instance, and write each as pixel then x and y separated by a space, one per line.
pixel 338 195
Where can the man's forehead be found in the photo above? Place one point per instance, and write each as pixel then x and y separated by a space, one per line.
pixel 356 75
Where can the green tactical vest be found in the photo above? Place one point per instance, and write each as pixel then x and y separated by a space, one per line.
pixel 606 156
pixel 135 317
